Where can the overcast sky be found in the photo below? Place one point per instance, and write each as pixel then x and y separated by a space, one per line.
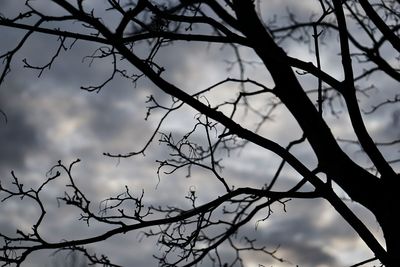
pixel 50 118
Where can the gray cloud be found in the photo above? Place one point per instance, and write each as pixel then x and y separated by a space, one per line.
pixel 19 137
pixel 295 237
pixel 296 234
pixel 51 118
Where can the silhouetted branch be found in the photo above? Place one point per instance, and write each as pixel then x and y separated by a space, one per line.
pixel 131 44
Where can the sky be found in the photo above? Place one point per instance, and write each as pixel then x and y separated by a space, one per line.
pixel 49 118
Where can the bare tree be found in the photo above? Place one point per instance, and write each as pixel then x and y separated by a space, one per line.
pixel 365 33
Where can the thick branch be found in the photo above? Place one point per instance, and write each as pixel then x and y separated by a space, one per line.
pixel 349 94
pixel 344 46
pixel 380 24
pixel 335 163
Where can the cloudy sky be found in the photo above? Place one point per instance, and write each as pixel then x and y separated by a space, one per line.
pixel 49 118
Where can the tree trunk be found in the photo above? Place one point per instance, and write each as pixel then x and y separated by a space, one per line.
pixel 359 184
pixel 387 214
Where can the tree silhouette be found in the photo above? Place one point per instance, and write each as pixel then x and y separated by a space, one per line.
pixel 364 32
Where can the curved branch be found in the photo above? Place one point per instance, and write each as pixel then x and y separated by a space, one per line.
pixel 349 94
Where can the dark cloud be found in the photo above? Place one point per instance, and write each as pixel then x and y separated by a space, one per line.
pixel 19 137
pixel 51 118
pixel 6 227
pixel 396 119
pixel 295 237
pixel 309 233
pixel 299 235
